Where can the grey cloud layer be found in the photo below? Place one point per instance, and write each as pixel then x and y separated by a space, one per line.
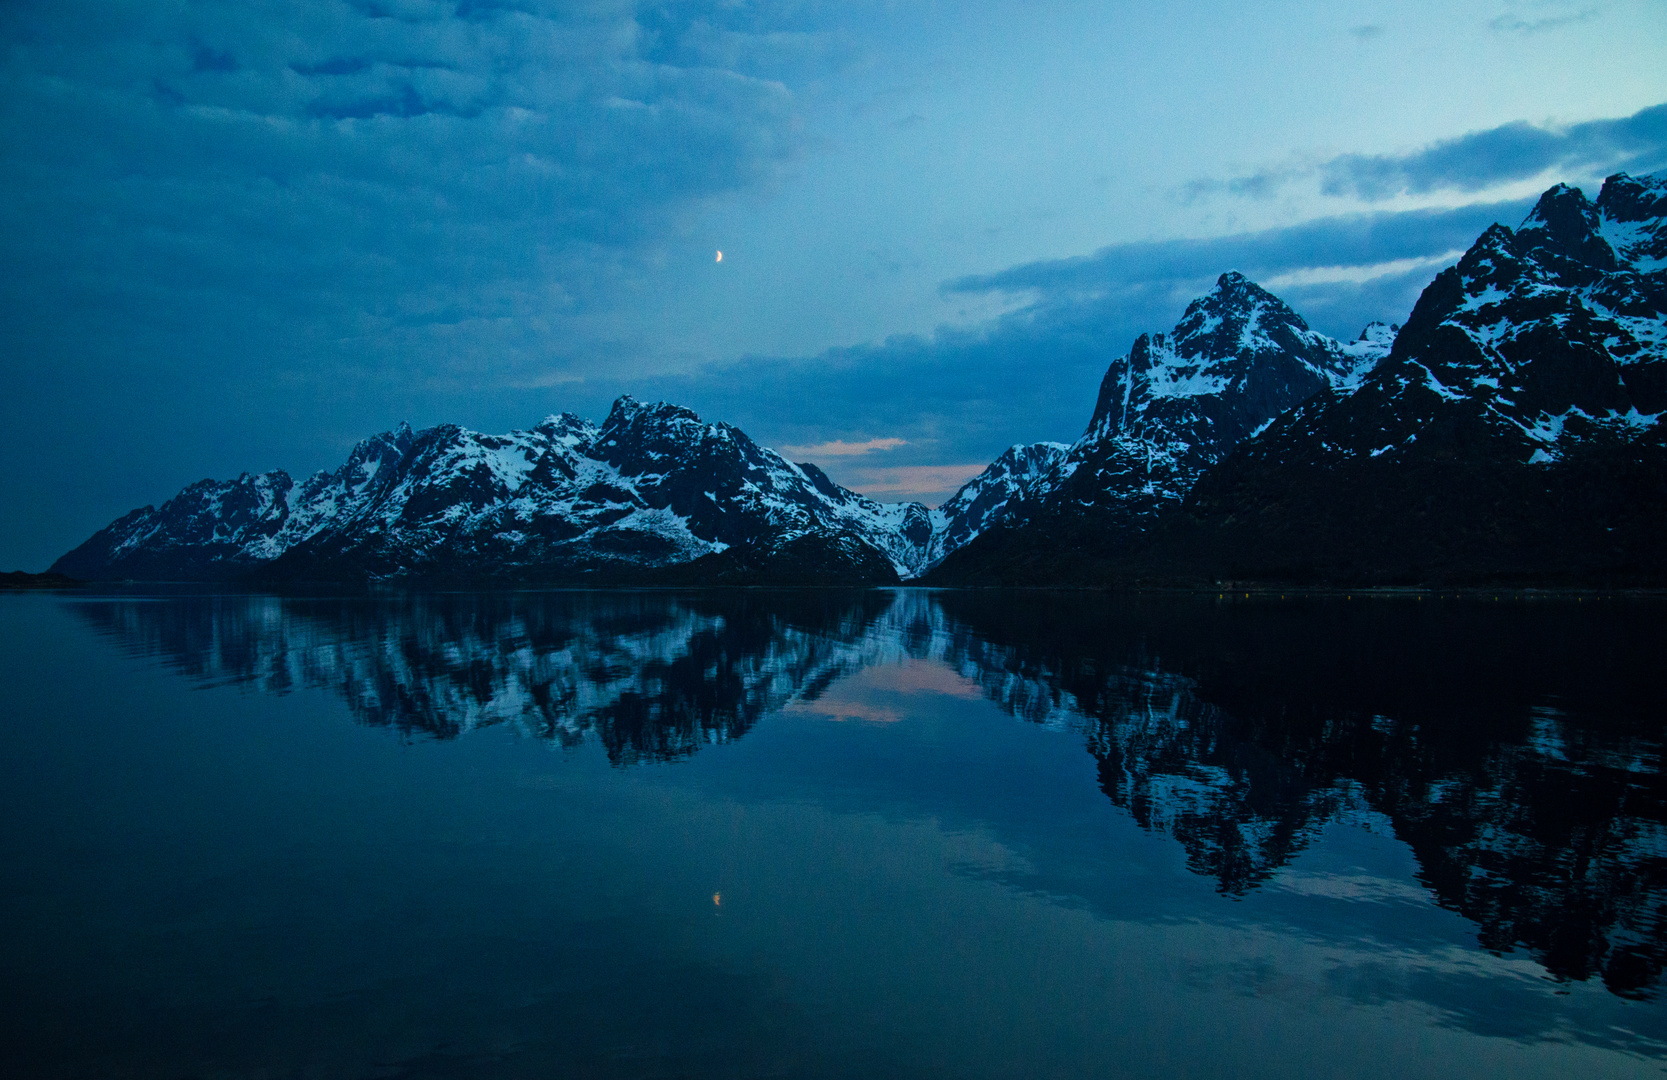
pixel 334 150
pixel 963 395
pixel 1477 161
pixel 220 219
pixel 1484 159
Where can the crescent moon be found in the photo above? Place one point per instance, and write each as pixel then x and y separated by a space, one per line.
pixel 720 257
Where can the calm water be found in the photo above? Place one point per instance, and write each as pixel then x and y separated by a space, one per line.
pixel 823 834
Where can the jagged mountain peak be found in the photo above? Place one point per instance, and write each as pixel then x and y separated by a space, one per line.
pixel 1238 343
pixel 1634 198
pixel 370 454
pixel 1541 336
pixel 1564 223
pixel 566 427
pixel 987 498
pixel 1233 292
pixel 1515 426
pixel 1633 210
pixel 1379 333
pixel 628 410
pixel 1235 316
pixel 1023 458
pixel 1179 401
pixel 655 486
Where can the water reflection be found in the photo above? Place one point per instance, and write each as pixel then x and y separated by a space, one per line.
pixel 1516 748
pixel 650 676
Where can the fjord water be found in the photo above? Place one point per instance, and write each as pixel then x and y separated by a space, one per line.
pixel 807 834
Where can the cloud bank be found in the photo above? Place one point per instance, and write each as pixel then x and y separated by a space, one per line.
pixel 232 224
pixel 964 395
pixel 1475 162
pixel 242 235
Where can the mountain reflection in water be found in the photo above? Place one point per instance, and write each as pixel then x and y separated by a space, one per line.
pixel 1515 747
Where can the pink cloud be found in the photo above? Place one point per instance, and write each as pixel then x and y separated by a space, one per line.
pixel 910 481
pixel 841 448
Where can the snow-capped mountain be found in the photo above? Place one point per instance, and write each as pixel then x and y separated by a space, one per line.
pixel 1178 402
pixel 1537 341
pixel 985 500
pixel 654 487
pixel 1511 428
pixel 1516 421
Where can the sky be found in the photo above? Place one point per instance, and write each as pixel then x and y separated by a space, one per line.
pixel 243 236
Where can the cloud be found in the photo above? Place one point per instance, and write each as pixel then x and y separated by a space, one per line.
pixel 343 172
pixel 1510 22
pixel 1368 31
pixel 1471 163
pixel 1330 275
pixel 960 396
pixel 239 235
pixel 932 483
pixel 1516 151
pixel 919 677
pixel 840 448
pixel 840 708
pixel 1355 240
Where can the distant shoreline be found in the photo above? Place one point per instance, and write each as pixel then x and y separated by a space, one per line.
pixel 1231 590
pixel 21 579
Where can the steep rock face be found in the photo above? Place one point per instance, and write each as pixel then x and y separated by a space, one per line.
pixel 654 486
pixel 216 529
pixel 1515 427
pixel 986 498
pixel 1166 413
pixel 1178 402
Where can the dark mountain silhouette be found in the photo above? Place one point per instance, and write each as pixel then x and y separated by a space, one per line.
pixel 1512 434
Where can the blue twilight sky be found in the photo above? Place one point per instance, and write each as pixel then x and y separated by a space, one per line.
pixel 242 236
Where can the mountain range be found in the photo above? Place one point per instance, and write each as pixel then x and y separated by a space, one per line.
pixel 653 494
pixel 1511 434
pixel 1510 430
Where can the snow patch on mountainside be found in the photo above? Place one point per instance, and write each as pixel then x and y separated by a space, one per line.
pixel 1180 401
pixel 1540 340
pixel 653 486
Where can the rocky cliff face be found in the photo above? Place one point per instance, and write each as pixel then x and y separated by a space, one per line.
pixel 653 490
pixel 1539 340
pixel 1166 414
pixel 1511 433
pixel 1514 429
pixel 988 498
pixel 1178 402
pixel 654 486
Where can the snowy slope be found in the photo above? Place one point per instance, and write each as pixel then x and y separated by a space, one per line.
pixel 1513 433
pixel 653 486
pixel 1540 341
pixel 1178 402
pixel 986 498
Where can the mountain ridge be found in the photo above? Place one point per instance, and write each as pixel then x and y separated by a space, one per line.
pixel 1512 434
pixel 1510 430
pixel 653 495
pixel 1177 401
